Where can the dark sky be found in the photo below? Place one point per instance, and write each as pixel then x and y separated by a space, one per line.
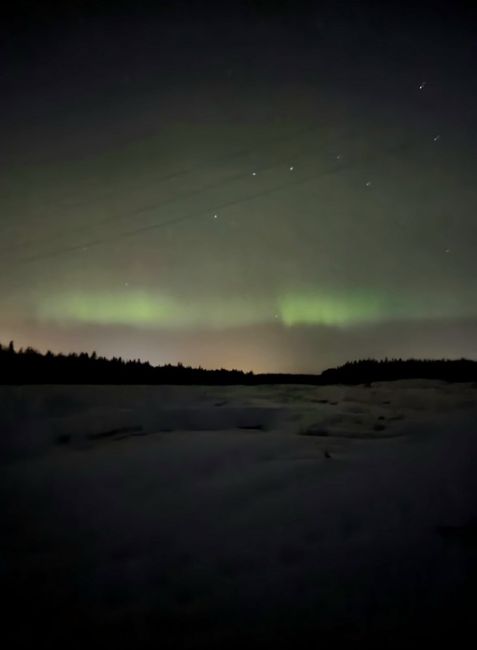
pixel 265 185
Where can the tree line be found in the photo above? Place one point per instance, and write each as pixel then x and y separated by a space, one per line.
pixel 28 366
pixel 369 370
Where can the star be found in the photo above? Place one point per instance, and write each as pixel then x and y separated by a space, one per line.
pixel 437 138
pixel 368 183
pixel 254 173
pixel 447 250
pixel 339 156
pixel 291 168
pixel 422 85
pixel 216 216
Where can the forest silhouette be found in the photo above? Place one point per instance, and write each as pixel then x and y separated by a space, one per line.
pixel 28 366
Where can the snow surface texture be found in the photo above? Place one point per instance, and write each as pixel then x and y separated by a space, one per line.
pixel 199 517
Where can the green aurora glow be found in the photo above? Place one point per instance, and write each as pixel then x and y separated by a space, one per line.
pixel 140 309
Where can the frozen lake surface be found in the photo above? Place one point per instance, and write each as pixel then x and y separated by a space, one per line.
pixel 199 517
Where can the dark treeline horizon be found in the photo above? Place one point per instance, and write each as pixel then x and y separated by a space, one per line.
pixel 28 366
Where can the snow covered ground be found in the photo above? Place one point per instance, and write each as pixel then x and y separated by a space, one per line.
pixel 200 517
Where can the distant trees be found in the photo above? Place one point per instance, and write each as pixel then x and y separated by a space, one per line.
pixel 28 366
pixel 369 370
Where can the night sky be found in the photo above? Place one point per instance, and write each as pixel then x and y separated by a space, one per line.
pixel 276 186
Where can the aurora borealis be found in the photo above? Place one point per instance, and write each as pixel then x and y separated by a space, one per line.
pixel 271 186
pixel 147 310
